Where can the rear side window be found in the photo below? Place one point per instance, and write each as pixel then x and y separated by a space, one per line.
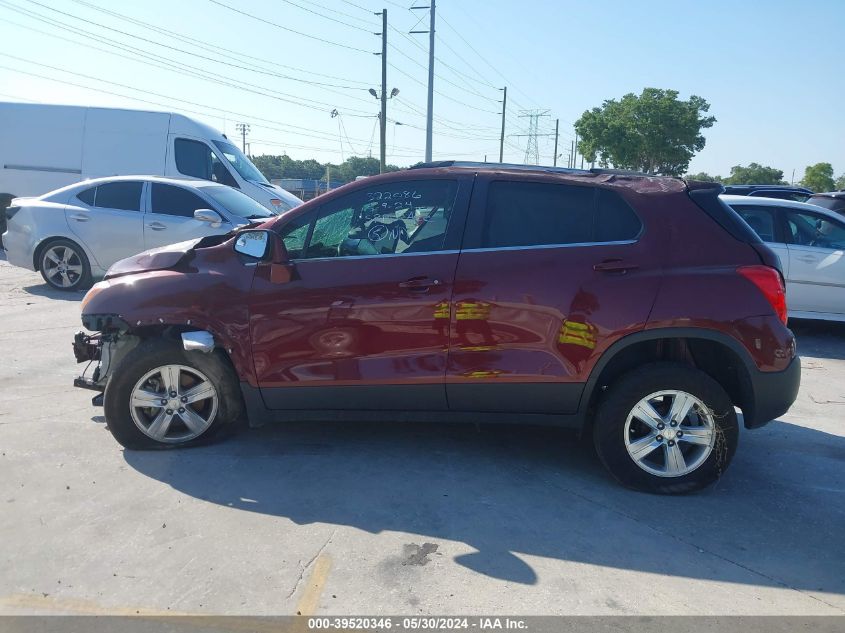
pixel 828 202
pixel 761 219
pixel 170 200
pixel 533 214
pixel 119 195
pixel 537 214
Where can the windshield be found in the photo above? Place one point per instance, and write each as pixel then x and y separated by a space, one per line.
pixel 240 162
pixel 237 203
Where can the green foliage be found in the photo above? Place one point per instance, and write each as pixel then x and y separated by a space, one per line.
pixel 654 132
pixel 819 177
pixel 755 174
pixel 286 167
pixel 703 177
pixel 840 183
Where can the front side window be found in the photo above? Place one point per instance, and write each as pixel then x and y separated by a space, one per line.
pixel 171 200
pixel 395 218
pixel 119 195
pixel 761 219
pixel 237 203
pixel 809 229
pixel 194 158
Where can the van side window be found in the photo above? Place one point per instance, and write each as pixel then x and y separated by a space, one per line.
pixel 170 200
pixel 196 159
pixel 87 196
pixel 536 214
pixel 119 195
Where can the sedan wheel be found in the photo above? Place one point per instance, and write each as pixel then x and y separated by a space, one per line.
pixel 173 404
pixel 64 265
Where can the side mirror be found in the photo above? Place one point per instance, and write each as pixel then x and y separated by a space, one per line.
pixel 255 244
pixel 207 215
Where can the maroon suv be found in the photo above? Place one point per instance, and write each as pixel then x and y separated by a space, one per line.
pixel 639 309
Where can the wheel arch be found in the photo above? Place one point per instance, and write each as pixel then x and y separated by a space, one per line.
pixel 718 355
pixel 45 242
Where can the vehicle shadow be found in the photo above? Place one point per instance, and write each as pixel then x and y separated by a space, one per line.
pixel 820 339
pixel 775 518
pixel 43 290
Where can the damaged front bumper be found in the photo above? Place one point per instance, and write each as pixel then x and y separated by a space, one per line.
pixel 105 349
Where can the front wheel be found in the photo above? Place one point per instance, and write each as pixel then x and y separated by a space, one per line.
pixel 666 428
pixel 163 396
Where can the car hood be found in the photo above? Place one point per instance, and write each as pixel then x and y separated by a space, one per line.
pixel 160 258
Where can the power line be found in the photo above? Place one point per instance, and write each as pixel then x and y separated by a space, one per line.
pixel 180 50
pixel 192 71
pixel 285 28
pixel 216 48
pixel 327 17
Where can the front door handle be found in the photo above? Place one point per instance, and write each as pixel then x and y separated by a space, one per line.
pixel 419 284
pixel 615 266
pixel 79 217
pixel 808 259
pixel 157 226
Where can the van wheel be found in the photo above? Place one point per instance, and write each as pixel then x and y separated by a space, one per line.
pixel 162 396
pixel 64 266
pixel 666 428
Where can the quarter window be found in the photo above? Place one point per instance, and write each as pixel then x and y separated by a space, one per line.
pixel 170 200
pixel 399 217
pixel 615 219
pixel 87 196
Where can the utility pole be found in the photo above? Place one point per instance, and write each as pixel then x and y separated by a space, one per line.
pixel 572 155
pixel 429 115
pixel 243 128
pixel 575 152
pixel 502 137
pixel 383 115
pixel 557 124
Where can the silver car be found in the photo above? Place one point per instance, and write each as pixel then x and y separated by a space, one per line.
pixel 810 242
pixel 73 234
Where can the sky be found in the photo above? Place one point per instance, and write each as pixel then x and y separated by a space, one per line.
pixel 771 70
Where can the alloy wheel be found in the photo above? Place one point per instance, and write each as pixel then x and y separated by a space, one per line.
pixel 670 433
pixel 173 404
pixel 62 266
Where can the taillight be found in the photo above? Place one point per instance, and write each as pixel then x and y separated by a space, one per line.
pixel 770 283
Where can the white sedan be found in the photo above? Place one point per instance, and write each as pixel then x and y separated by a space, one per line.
pixel 810 242
pixel 75 233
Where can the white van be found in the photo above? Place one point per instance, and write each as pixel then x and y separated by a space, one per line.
pixel 44 147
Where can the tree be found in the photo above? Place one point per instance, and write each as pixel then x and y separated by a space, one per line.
pixel 840 183
pixel 819 177
pixel 754 174
pixel 703 177
pixel 654 132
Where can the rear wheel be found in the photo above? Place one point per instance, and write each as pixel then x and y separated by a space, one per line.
pixel 666 428
pixel 64 266
pixel 163 396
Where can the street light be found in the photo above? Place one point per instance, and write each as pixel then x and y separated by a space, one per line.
pixel 383 120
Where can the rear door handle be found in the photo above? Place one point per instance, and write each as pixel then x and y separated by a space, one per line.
pixel 809 259
pixel 419 284
pixel 615 266
pixel 79 217
pixel 157 226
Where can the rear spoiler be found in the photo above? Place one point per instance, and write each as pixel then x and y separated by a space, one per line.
pixel 706 196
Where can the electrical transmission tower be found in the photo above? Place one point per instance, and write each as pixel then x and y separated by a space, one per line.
pixel 532 150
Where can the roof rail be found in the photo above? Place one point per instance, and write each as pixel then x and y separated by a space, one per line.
pixel 618 172
pixel 478 164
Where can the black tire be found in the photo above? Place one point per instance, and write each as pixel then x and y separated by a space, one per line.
pixel 621 398
pixel 74 255
pixel 155 353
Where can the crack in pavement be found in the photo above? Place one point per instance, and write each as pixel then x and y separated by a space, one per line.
pixel 309 563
